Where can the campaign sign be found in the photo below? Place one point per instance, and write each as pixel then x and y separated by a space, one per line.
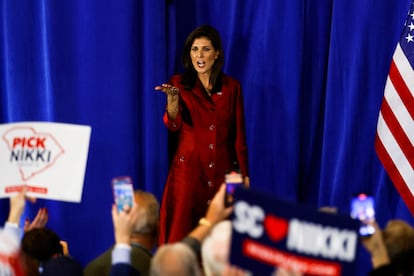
pixel 48 158
pixel 269 234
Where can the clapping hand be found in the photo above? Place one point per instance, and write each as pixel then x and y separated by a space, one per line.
pixel 39 221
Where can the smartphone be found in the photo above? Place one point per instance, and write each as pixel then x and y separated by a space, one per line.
pixel 233 180
pixel 363 209
pixel 123 192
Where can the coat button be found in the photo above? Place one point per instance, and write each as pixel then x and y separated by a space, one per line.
pixel 211 146
pixel 182 158
pixel 210 184
pixel 212 127
pixel 211 165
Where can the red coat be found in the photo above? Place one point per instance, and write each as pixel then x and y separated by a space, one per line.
pixel 211 139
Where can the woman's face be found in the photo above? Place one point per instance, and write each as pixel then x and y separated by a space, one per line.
pixel 203 55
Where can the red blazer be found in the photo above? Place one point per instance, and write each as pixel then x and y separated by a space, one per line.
pixel 211 140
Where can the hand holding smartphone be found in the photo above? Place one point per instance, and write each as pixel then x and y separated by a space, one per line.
pixel 123 192
pixel 362 208
pixel 233 180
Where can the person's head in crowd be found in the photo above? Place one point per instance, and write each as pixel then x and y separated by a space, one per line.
pixel 398 237
pixel 39 245
pixel 215 248
pixel 175 259
pixel 148 223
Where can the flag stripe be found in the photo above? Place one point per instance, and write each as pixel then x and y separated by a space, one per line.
pixel 392 94
pixel 399 110
pixel 402 85
pixel 394 152
pixel 398 132
pixel 394 174
pixel 404 66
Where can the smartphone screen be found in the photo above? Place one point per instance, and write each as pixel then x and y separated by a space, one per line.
pixel 234 180
pixel 123 192
pixel 362 208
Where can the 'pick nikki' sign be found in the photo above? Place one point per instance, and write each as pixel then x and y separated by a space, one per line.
pixel 48 158
pixel 31 152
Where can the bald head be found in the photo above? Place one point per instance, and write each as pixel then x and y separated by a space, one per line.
pixel 174 259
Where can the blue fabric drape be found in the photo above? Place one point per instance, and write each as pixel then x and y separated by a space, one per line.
pixel 313 75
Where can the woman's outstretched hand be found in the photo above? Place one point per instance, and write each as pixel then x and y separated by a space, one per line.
pixel 172 93
pixel 168 89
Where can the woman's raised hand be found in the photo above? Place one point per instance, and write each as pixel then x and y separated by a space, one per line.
pixel 172 93
pixel 168 89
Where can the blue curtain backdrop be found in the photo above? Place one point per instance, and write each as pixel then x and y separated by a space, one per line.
pixel 313 75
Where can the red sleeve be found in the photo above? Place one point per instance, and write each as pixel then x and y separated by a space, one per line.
pixel 172 125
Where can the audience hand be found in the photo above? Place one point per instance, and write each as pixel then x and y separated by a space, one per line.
pixel 328 209
pixel 286 272
pixel 17 204
pixel 124 223
pixel 217 211
pixel 39 221
pixel 230 270
pixel 376 247
pixel 65 248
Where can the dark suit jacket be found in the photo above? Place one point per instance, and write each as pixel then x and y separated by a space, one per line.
pixel 123 270
pixel 101 266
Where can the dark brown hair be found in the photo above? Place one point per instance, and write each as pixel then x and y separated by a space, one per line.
pixel 190 74
pixel 41 244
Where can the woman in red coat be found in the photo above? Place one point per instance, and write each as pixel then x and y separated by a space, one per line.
pixel 205 107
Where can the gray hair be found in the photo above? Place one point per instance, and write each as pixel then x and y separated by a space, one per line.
pixel 175 259
pixel 215 248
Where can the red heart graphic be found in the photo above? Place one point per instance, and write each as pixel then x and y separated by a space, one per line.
pixel 276 228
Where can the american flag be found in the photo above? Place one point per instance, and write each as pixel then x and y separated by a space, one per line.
pixel 394 142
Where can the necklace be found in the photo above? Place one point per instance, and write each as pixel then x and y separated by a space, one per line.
pixel 208 92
